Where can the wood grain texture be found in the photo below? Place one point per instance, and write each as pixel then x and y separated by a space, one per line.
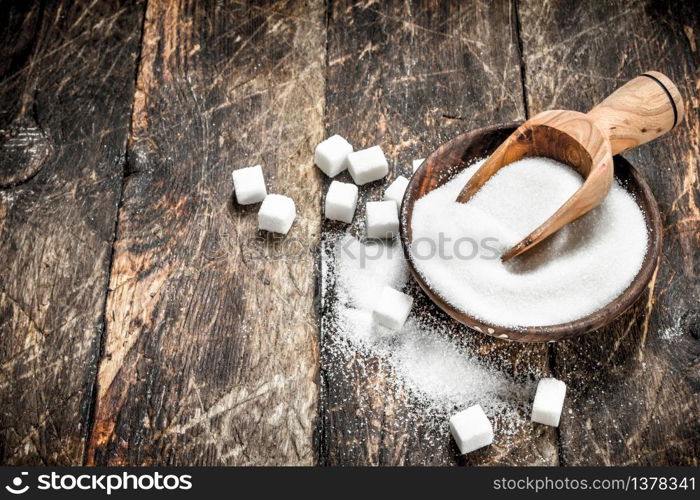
pixel 569 137
pixel 207 328
pixel 410 76
pixel 211 354
pixel 67 71
pixel 633 386
pixel 640 111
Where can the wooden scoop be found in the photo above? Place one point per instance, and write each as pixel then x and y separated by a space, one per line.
pixel 639 111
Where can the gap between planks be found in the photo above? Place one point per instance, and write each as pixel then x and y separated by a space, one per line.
pixel 551 346
pixel 125 173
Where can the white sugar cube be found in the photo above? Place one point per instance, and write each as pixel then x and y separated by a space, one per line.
pixel 341 201
pixel 471 429
pixel 330 155
pixel 417 163
pixel 276 214
pixel 367 165
pixel 382 219
pixel 392 308
pixel 549 400
pixel 249 185
pixel 396 190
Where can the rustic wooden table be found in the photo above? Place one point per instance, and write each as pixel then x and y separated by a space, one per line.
pixel 144 321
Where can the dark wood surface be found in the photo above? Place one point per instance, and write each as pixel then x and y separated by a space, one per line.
pixel 636 394
pixel 67 90
pixel 210 351
pixel 417 77
pixel 143 320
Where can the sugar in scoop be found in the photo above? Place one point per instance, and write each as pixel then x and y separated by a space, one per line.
pixel 579 270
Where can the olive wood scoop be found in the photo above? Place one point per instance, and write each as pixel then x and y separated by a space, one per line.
pixel 641 110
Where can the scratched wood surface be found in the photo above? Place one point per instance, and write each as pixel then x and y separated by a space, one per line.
pixel 210 352
pixel 417 76
pixel 67 86
pixel 633 386
pixel 143 320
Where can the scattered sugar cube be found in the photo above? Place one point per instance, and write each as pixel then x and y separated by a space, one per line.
pixel 382 219
pixel 341 201
pixel 392 308
pixel 249 185
pixel 417 163
pixel 367 165
pixel 471 429
pixel 276 214
pixel 330 155
pixel 549 401
pixel 396 190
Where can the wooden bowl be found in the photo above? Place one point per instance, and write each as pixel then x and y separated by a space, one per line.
pixel 456 155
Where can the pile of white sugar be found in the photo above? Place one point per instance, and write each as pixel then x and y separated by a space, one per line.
pixel 579 270
pixel 440 371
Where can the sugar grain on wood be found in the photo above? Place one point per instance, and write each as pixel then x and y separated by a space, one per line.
pixel 440 372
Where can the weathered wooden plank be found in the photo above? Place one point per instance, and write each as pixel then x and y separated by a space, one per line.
pixel 634 388
pixel 409 76
pixel 211 348
pixel 67 71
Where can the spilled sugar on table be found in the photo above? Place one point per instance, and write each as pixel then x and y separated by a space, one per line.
pixel 144 321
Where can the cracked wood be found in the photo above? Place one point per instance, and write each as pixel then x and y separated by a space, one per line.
pixel 211 355
pixel 410 71
pixel 211 349
pixel 67 71
pixel 633 386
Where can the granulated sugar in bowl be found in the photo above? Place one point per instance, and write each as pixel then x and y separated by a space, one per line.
pixel 456 247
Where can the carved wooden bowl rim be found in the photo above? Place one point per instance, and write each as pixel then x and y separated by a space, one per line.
pixel 451 158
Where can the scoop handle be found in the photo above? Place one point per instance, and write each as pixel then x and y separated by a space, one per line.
pixel 641 110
